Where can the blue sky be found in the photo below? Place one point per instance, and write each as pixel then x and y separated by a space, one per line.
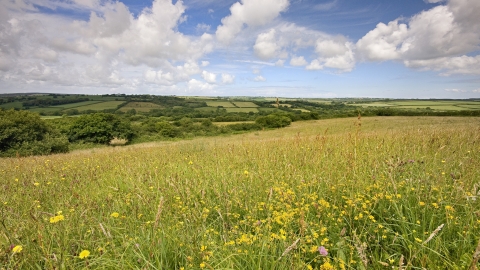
pixel 287 48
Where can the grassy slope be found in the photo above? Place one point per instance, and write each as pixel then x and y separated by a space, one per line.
pixel 371 191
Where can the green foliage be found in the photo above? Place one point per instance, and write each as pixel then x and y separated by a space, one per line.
pixel 99 128
pixel 166 129
pixel 24 133
pixel 273 121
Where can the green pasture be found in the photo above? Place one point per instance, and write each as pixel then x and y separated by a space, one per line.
pixel 246 110
pixel 206 109
pixel 436 107
pixel 46 109
pixel 374 104
pixel 12 105
pixel 351 193
pixel 245 104
pixel 225 104
pixel 75 105
pixel 100 106
pixel 232 123
pixel 140 106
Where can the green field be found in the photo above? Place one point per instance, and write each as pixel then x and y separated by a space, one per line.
pixel 439 105
pixel 436 107
pixel 107 105
pixel 242 110
pixel 206 109
pixel 75 105
pixel 379 104
pixel 225 104
pixel 46 109
pixel 245 104
pixel 369 193
pixel 12 105
pixel 140 106
pixel 233 123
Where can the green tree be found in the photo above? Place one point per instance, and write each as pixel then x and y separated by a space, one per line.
pixel 99 128
pixel 25 133
pixel 273 121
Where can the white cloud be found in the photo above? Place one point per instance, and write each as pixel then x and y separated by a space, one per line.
pixel 436 39
pixel 455 90
pixel 251 13
pixel 198 86
pixel 202 27
pixel 205 63
pixel 298 61
pixel 476 90
pixel 315 65
pixel 259 79
pixel 382 42
pixel 280 63
pixel 326 6
pixel 46 54
pixel 449 65
pixel 209 77
pixel 335 52
pixel 265 46
pixel 228 78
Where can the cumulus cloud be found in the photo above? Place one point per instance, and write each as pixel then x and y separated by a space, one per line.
pixel 259 78
pixel 298 61
pixel 250 13
pixel 228 78
pixel 265 46
pixel 382 42
pixel 101 49
pixel 449 65
pixel 335 52
pixel 198 86
pixel 209 77
pixel 315 65
pixel 436 39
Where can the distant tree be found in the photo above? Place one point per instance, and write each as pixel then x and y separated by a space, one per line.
pixel 99 128
pixel 25 133
pixel 273 121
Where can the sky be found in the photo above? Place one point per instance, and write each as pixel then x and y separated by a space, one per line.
pixel 274 48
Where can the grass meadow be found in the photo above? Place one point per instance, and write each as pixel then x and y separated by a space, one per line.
pixel 369 193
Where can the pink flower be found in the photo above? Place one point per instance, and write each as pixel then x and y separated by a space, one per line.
pixel 323 251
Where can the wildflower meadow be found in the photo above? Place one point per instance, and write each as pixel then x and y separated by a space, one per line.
pixel 353 193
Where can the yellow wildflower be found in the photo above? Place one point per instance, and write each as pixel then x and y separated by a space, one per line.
pixel 327 266
pixel 115 215
pixel 56 219
pixel 84 254
pixel 17 249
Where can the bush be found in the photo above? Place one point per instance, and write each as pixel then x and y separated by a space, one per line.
pixel 273 121
pixel 23 133
pixel 99 128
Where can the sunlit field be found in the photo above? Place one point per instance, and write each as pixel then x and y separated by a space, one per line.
pixel 355 193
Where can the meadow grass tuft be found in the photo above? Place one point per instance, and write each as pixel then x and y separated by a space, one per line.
pixel 352 193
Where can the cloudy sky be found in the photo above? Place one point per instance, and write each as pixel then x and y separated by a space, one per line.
pixel 290 48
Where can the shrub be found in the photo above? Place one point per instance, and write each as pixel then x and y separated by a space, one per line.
pixel 273 121
pixel 99 128
pixel 24 133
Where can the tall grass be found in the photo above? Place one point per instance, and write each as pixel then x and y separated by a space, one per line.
pixel 367 193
